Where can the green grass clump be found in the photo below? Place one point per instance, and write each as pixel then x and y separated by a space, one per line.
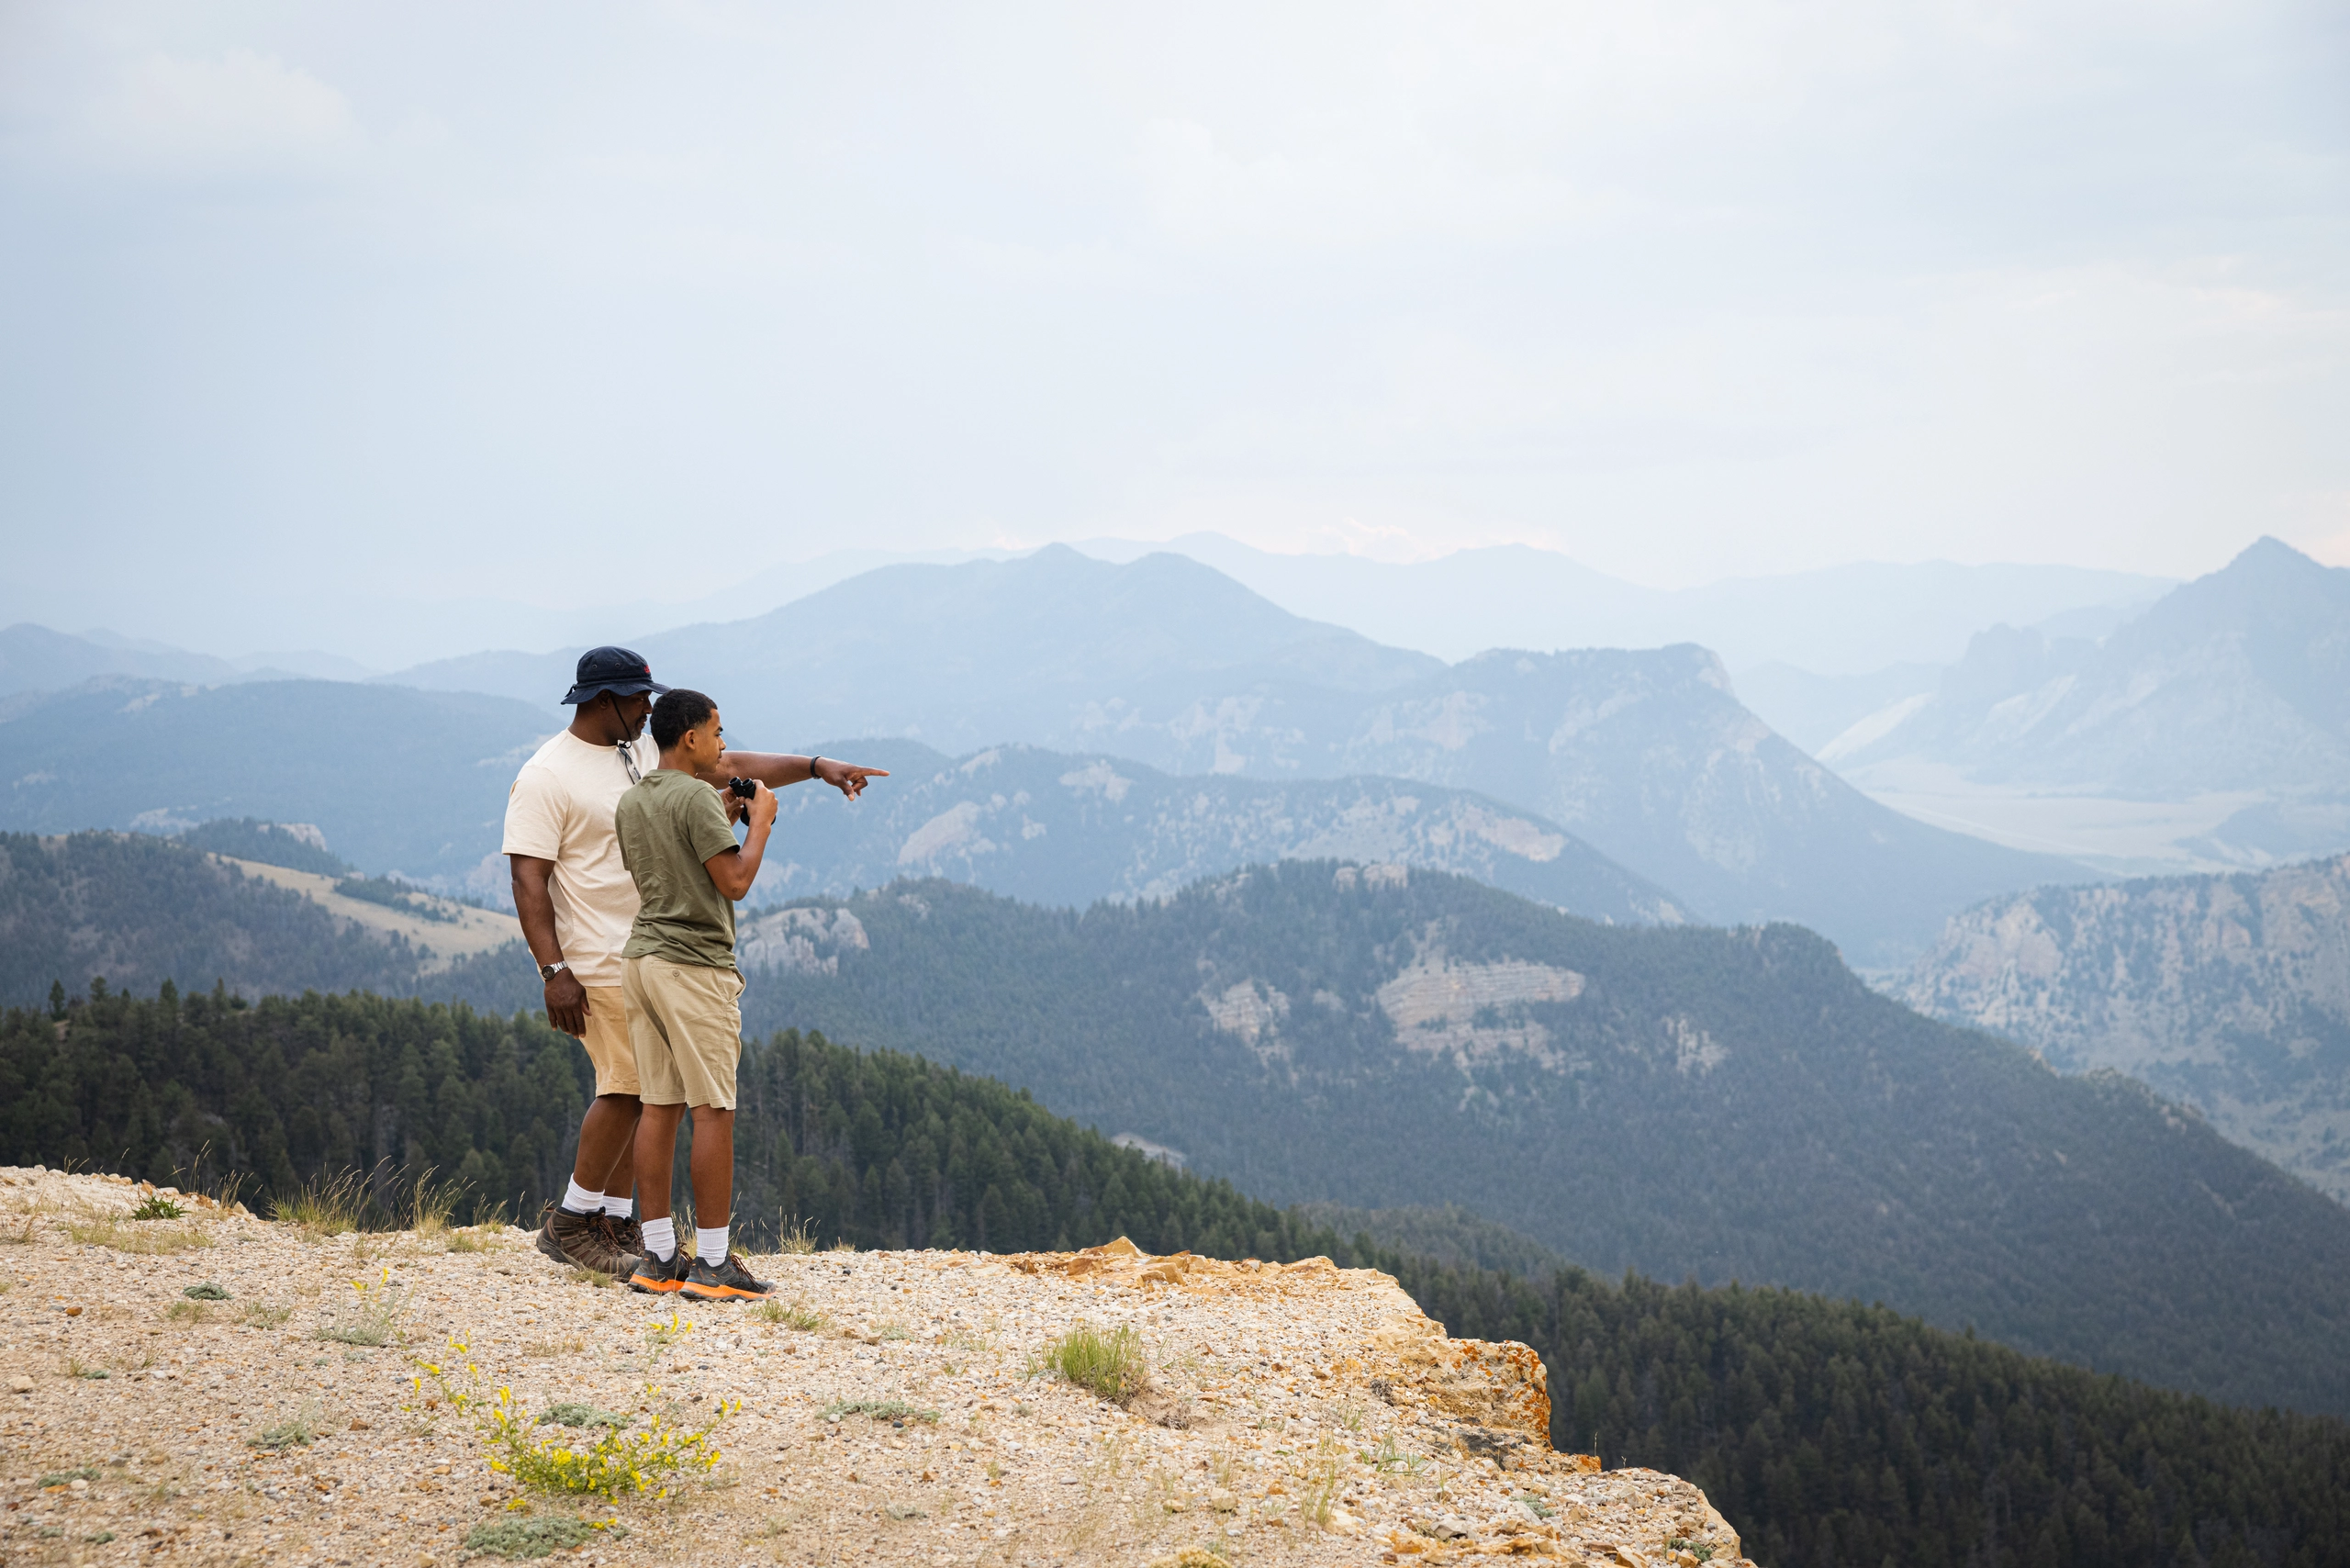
pixel 1111 1365
pixel 60 1477
pixel 570 1413
pixel 880 1409
pixel 299 1432
pixel 537 1538
pixel 158 1206
pixel 793 1314
pixel 210 1290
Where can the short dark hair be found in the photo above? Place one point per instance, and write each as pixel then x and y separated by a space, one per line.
pixel 680 710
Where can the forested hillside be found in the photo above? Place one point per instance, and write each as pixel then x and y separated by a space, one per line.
pixel 137 910
pixel 1688 1102
pixel 1703 1104
pixel 1825 1432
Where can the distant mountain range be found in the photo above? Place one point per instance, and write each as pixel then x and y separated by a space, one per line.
pixel 1685 1102
pixel 1849 619
pixel 2237 684
pixel 1052 827
pixel 399 781
pixel 2230 993
pixel 1647 756
pixel 34 658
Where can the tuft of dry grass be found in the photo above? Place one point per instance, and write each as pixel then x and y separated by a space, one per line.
pixel 431 1205
pixel 594 1279
pixel 147 1238
pixel 545 1347
pixel 474 1239
pixel 796 1314
pixel 323 1206
pixel 798 1240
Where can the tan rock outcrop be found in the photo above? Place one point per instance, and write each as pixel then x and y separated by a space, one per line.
pixel 894 1407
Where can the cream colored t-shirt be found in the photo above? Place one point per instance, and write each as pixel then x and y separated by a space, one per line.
pixel 560 808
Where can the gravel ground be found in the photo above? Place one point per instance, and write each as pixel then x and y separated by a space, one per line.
pixel 890 1408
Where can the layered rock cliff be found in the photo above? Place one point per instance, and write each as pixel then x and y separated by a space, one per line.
pixel 2230 993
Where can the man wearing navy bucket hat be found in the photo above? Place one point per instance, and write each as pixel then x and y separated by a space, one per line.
pixel 577 902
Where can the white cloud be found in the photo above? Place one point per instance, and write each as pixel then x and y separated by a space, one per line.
pixel 240 112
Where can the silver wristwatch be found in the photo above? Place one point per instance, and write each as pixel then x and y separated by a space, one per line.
pixel 548 971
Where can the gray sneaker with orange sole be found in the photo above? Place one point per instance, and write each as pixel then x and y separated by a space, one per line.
pixel 729 1280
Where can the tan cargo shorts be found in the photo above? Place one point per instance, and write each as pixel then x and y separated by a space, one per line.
pixel 685 1022
pixel 606 1040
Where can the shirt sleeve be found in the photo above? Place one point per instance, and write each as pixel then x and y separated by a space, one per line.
pixel 706 827
pixel 534 816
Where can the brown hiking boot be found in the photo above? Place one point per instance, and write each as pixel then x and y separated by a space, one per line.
pixel 582 1242
pixel 627 1233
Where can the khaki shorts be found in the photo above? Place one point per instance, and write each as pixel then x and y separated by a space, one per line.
pixel 686 1021
pixel 606 1040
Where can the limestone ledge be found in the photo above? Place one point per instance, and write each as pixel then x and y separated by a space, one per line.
pixel 1299 1413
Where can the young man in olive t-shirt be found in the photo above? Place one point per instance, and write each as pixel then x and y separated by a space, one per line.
pixel 683 993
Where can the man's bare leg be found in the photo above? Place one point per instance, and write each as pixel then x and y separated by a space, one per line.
pixel 607 1158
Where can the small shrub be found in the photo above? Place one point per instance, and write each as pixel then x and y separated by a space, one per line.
pixel 158 1206
pixel 615 1465
pixel 537 1538
pixel 572 1414
pixel 298 1432
pixel 1111 1365
pixel 210 1290
pixel 374 1319
pixel 1697 1549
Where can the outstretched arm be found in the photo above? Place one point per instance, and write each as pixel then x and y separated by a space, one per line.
pixel 780 770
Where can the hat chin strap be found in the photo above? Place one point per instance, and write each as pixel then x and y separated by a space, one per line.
pixel 626 745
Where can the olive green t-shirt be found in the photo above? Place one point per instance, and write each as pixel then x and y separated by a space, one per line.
pixel 668 826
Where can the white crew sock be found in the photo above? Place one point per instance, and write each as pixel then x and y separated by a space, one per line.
pixel 578 1200
pixel 618 1204
pixel 661 1238
pixel 710 1245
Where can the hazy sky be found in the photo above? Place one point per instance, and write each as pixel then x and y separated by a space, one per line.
pixel 320 318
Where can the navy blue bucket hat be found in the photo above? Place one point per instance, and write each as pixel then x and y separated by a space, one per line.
pixel 621 671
